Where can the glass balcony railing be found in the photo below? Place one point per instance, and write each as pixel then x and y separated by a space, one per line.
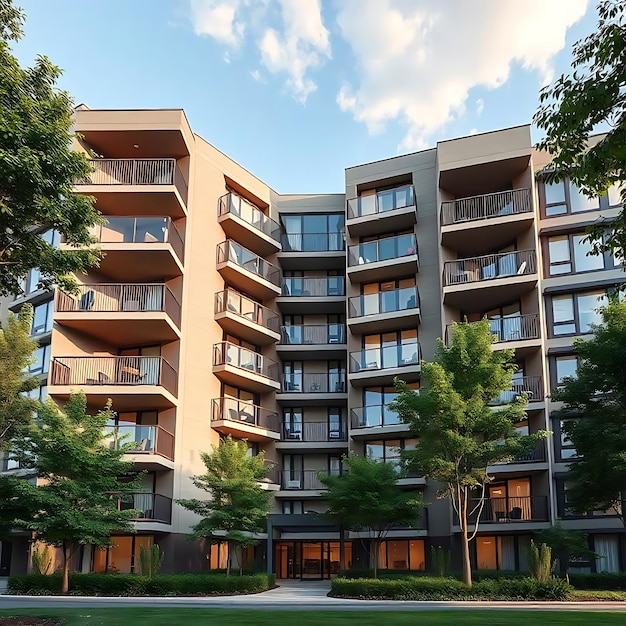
pixel 314 286
pixel 382 250
pixel 397 355
pixel 235 205
pixel 486 206
pixel 145 439
pixel 313 242
pixel 234 302
pixel 239 411
pixel 381 202
pixel 390 301
pixel 226 353
pixel 373 415
pixel 312 382
pixel 313 334
pixel 511 328
pixel 489 267
pixel 230 251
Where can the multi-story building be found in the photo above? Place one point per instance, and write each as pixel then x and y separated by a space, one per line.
pixel 224 308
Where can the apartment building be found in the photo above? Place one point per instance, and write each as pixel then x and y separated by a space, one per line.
pixel 224 308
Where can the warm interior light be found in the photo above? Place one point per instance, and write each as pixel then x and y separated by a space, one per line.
pixel 135 145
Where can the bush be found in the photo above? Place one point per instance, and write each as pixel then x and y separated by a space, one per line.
pixel 605 582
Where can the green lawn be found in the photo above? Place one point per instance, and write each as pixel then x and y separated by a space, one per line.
pixel 167 617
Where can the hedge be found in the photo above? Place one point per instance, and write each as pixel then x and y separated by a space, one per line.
pixel 423 588
pixel 605 582
pixel 403 573
pixel 132 585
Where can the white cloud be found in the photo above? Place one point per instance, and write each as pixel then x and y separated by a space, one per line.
pixel 218 19
pixel 256 75
pixel 480 105
pixel 417 61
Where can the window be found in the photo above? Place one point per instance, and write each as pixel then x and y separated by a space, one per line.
pixel 293 507
pixel 564 197
pixel 314 232
pixel 31 282
pixel 575 313
pixel 567 449
pixel 375 410
pixel 41 363
pixel 555 198
pixel 401 554
pixel 395 349
pixel 614 194
pixel 564 367
pixel 386 297
pixel 42 318
pixel 383 248
pixel 506 322
pixel 122 556
pixel 292 420
pixel 572 253
pixel 496 553
pixel 566 503
pixel 387 450
pixel 51 237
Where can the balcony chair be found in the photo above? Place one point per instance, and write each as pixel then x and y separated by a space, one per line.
pixel 522 268
pixel 87 300
pixel 515 513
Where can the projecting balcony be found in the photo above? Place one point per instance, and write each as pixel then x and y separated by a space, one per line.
pixel 131 382
pixel 121 313
pixel 530 386
pixel 244 318
pixel 313 389
pixel 515 331
pixel 247 271
pixel 396 207
pixel 381 365
pixel 510 513
pixel 322 436
pixel 481 223
pixel 493 278
pixel 312 341
pixel 301 481
pixel 384 311
pixel 383 259
pixel 144 186
pixel 375 420
pixel 151 507
pixel 244 369
pixel 313 294
pixel 533 461
pixel 316 250
pixel 243 420
pixel 242 221
pixel 152 446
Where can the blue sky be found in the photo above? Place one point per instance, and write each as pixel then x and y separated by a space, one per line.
pixel 297 90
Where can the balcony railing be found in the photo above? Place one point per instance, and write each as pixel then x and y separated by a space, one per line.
pixel 486 206
pixel 313 334
pixel 120 298
pixel 238 411
pixel 327 382
pixel 226 353
pixel 93 371
pixel 318 286
pixel 135 172
pixel 151 506
pixel 381 202
pixel 300 479
pixel 230 251
pixel 373 415
pixel 314 431
pixel 490 266
pixel 513 328
pixel 140 230
pixel 536 454
pixel 510 510
pixel 531 386
pixel 232 301
pixel 384 302
pixel 382 250
pixel 313 242
pixel 237 206
pixel 145 439
pixel 402 355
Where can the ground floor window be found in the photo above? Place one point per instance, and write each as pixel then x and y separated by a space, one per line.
pixel 494 552
pixel 218 556
pixel 607 546
pixel 123 556
pixel 401 554
pixel 310 559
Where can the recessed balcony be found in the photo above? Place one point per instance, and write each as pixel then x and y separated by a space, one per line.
pixel 515 331
pixel 242 221
pixel 243 420
pixel 395 309
pixel 247 271
pixel 396 207
pixel 383 259
pixel 245 369
pixel 312 294
pixel 530 386
pixel 508 512
pixel 493 278
pixel 533 461
pixel 152 446
pixel 316 436
pixel 381 365
pixel 313 388
pixel 301 480
pixel 121 313
pixel 312 341
pixel 145 186
pixel 242 317
pixel 316 250
pixel 375 420
pixel 151 507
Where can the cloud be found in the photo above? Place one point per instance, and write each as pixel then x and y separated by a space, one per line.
pixel 218 19
pixel 417 61
pixel 480 105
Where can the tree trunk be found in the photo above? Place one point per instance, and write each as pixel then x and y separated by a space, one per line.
pixel 375 557
pixel 66 569
pixel 467 568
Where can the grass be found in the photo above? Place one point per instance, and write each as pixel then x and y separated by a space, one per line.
pixel 167 617
pixel 593 595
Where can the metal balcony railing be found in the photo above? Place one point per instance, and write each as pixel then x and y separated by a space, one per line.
pixel 313 334
pixel 232 301
pixel 230 251
pixel 234 410
pixel 313 242
pixel 536 454
pixel 373 415
pixel 382 250
pixel 93 371
pixel 381 202
pixel 145 439
pixel 325 382
pixel 314 431
pixel 400 355
pixel 250 214
pixel 531 386
pixel 512 328
pixel 151 506
pixel 384 302
pixel 486 206
pixel 510 510
pixel 489 266
pixel 300 480
pixel 120 298
pixel 318 286
pixel 226 353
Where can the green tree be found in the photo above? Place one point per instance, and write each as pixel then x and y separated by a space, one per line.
pixel 37 170
pixel 570 109
pixel 239 506
pixel 460 435
pixel 594 418
pixel 367 497
pixel 565 545
pixel 81 479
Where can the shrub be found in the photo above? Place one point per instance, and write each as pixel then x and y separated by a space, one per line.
pixel 42 561
pixel 150 560
pixel 608 582
pixel 539 561
pixel 441 560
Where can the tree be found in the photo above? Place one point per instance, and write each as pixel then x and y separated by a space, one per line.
pixel 565 545
pixel 367 496
pixel 594 419
pixel 239 506
pixel 459 433
pixel 570 110
pixel 82 479
pixel 37 170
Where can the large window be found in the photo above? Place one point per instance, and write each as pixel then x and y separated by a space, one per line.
pixel 401 554
pixel 500 553
pixel 122 556
pixel 41 363
pixel 42 318
pixel 314 232
pixel 564 197
pixel 375 410
pixel 564 367
pixel 572 253
pixel 388 450
pixel 574 314
pixel 385 297
pixel 395 349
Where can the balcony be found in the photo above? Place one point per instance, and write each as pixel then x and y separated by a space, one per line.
pixel 376 419
pixel 313 389
pixel 121 313
pixel 535 460
pixel 246 271
pixel 312 250
pixel 383 259
pixel 382 365
pixel 516 331
pixel 313 341
pixel 145 186
pixel 242 221
pixel 509 511
pixel 396 206
pixel 531 386
pixel 131 382
pixel 313 294
pixel 322 436
pixel 481 223
pixel 301 480
pixel 244 318
pixel 384 311
pixel 243 368
pixel 243 420
pixel 140 248
pixel 151 444
pixel 494 278
pixel 152 507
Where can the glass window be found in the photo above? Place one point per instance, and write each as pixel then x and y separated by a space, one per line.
pixel 568 451
pixel 614 194
pixel 559 252
pixel 583 259
pixel 41 363
pixel 42 318
pixel 555 193
pixel 563 315
pixel 566 367
pixel 589 310
pixel 579 202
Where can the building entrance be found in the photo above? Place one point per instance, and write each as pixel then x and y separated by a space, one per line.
pixel 309 560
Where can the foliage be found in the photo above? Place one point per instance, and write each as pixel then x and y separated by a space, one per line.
pixel 604 581
pixel 367 496
pixel 80 479
pixel 441 560
pixel 539 561
pixel 150 560
pixel 37 170
pixel 238 507
pixel 595 400
pixel 460 434
pixel 42 561
pixel 566 544
pixel 571 108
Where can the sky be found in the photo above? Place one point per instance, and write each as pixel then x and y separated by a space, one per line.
pixel 298 90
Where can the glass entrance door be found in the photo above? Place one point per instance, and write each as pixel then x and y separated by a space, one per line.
pixel 309 560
